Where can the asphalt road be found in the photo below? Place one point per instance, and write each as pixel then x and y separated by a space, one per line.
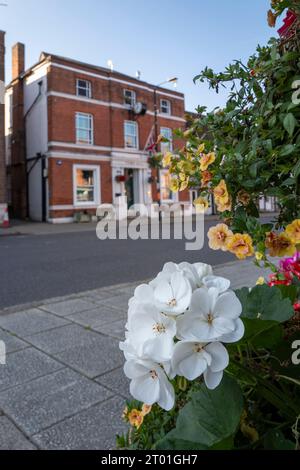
pixel 36 267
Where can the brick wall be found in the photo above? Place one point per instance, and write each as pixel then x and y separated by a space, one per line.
pixel 2 141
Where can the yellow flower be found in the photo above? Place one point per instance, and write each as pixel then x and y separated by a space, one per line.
pixel 260 281
pixel 279 244
pixel 174 185
pixel 135 418
pixel 201 204
pixel 184 184
pixel 259 256
pixel 221 193
pixel 146 409
pixel 240 245
pixel 218 237
pixel 207 160
pixel 222 207
pixel 222 197
pixel 200 149
pixel 182 176
pixel 167 159
pixel 125 413
pixel 293 231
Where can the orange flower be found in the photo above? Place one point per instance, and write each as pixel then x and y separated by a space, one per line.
pixel 146 409
pixel 293 231
pixel 243 197
pixel 206 177
pixel 222 197
pixel 280 244
pixel 240 245
pixel 271 19
pixel 207 160
pixel 135 418
pixel 218 237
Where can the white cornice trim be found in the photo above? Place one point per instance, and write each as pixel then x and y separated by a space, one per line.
pixel 124 82
pixel 95 147
pixel 78 156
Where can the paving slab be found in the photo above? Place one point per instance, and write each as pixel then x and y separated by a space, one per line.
pixel 49 399
pixel 115 329
pixel 24 366
pixel 12 438
pixel 66 337
pixel 98 316
pixel 31 321
pixel 94 358
pixel 67 307
pixel 117 381
pixel 119 302
pixel 93 429
pixel 12 343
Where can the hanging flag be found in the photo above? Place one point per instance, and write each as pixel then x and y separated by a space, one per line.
pixel 150 143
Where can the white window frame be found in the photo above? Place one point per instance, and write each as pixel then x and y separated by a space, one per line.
pixel 137 135
pixel 97 185
pixel 166 146
pixel 89 88
pixel 91 129
pixel 168 112
pixel 133 97
pixel 174 195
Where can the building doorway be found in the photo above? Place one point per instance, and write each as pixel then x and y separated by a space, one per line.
pixel 129 186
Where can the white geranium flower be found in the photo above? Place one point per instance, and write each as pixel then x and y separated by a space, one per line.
pixel 152 333
pixel 211 317
pixel 191 360
pixel 221 283
pixel 195 272
pixel 173 296
pixel 149 384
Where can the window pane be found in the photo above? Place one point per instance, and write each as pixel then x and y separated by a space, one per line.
pixel 83 88
pixel 85 185
pixel 166 193
pixel 130 134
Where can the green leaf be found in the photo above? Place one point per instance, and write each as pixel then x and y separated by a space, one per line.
pixel 262 334
pixel 265 303
pixel 275 440
pixel 289 123
pixel 171 442
pixel 287 150
pixel 212 415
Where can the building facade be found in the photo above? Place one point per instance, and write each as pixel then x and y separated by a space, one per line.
pixel 78 135
pixel 3 187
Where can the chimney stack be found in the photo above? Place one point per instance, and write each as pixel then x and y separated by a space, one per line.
pixel 18 60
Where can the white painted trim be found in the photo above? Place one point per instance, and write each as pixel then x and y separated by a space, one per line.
pixel 97 186
pixel 108 104
pixel 61 220
pixel 124 82
pixel 78 156
pixel 95 147
pixel 70 207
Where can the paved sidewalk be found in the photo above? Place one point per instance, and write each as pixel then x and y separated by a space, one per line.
pixel 63 385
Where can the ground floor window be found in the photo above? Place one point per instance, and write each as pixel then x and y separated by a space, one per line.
pixel 166 194
pixel 86 185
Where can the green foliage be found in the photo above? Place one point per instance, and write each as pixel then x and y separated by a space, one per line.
pixel 265 303
pixel 210 418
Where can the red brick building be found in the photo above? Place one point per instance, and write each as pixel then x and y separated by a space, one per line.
pixel 3 192
pixel 77 136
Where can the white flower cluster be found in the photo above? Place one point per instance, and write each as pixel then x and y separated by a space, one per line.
pixel 176 326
